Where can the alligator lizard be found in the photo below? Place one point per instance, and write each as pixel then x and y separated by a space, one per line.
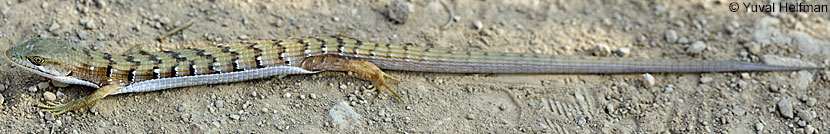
pixel 141 70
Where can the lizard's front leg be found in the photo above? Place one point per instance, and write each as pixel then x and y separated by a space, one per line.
pixel 361 69
pixel 82 102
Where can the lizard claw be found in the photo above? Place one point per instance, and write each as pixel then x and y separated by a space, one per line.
pixel 55 109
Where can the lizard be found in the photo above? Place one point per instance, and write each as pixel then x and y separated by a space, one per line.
pixel 143 70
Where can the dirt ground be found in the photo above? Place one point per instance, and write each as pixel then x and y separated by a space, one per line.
pixel 755 102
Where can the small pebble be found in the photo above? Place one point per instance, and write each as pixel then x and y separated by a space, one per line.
pixel 244 37
pixel 58 83
pixel 2 99
pixel 287 95
pixel 601 50
pixel 253 94
pixel 89 24
pixel 811 102
pixel 471 116
pixel 805 115
pixel 683 40
pixel 343 86
pixel 745 76
pixel 335 19
pixel 164 21
pixel 219 103
pixel 785 107
pixel 648 80
pixel 399 11
pixel 774 88
pixel 478 25
pixel 696 47
pixel 313 96
pixel 671 36
pixel 54 27
pixel 623 52
pixel 234 117
pixel 809 129
pixel 42 85
pixel 2 87
pixel 705 80
pixel 33 89
pixel 49 96
pixel 759 126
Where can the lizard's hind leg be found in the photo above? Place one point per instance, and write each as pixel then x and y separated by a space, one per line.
pixel 362 70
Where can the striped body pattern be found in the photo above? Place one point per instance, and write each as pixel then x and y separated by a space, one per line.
pixel 145 70
pixel 137 66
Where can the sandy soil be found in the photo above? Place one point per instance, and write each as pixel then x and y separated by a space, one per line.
pixel 757 102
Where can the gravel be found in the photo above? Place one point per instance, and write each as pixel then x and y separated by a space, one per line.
pixel 785 107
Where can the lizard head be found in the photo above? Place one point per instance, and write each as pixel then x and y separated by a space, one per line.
pixel 48 57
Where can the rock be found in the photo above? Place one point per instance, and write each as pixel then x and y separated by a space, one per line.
pixel 54 27
pixel 648 80
pixel 33 89
pixel 2 99
pixel 802 80
pixel 785 107
pixel 219 104
pixel 774 89
pixel 696 47
pixel 705 80
pixel 343 115
pixel 809 129
pixel 399 11
pixel 601 50
pixel 745 76
pixel 471 116
pixel 234 117
pixel 810 102
pixel 164 21
pixel 89 24
pixel 58 83
pixel 683 40
pixel 42 85
pixel 671 36
pixel 478 25
pixel 49 96
pixel 805 115
pixel 738 112
pixel 759 126
pixel 623 52
pixel 2 87
pixel 244 37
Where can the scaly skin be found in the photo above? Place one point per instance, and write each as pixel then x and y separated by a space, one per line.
pixel 141 69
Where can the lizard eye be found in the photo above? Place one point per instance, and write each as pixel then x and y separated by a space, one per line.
pixel 37 60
